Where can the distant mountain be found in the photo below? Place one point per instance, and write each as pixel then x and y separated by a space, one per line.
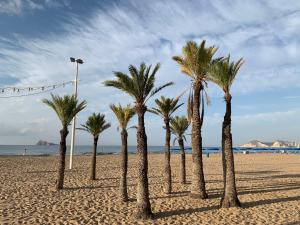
pixel 44 143
pixel 275 144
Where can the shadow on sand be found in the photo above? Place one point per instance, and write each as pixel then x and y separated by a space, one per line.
pixel 173 195
pixel 270 201
pixel 52 171
pixel 259 189
pixel 279 187
pixel 87 188
pixel 179 212
pixel 258 172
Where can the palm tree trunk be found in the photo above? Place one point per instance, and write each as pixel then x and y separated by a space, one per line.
pixel 143 203
pixel 198 182
pixel 229 198
pixel 124 164
pixel 168 175
pixel 94 158
pixel 62 157
pixel 182 161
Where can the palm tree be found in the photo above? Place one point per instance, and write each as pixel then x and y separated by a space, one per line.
pixel 165 108
pixel 123 114
pixel 195 63
pixel 223 74
pixel 95 125
pixel 140 86
pixel 178 126
pixel 66 108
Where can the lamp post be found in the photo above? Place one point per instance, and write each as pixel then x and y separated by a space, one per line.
pixel 77 61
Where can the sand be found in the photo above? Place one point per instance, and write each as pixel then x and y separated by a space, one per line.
pixel 268 186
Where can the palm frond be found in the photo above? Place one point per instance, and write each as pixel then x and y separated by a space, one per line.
pixel 139 84
pixel 132 127
pixel 175 139
pixel 123 114
pixel 179 125
pixel 224 72
pixel 158 89
pixel 153 111
pixel 165 107
pixel 190 106
pixel 196 60
pixel 96 124
pixel 65 107
pixel 202 111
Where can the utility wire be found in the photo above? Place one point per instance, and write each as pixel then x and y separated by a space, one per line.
pixel 43 89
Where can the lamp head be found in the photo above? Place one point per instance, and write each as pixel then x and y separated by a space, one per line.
pixel 80 61
pixel 72 59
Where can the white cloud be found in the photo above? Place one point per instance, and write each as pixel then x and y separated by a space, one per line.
pixel 16 7
pixel 112 38
pixel 11 6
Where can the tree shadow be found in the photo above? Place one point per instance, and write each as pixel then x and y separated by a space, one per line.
pixel 285 176
pixel 258 172
pixel 216 193
pixel 41 171
pixel 239 179
pixel 179 212
pixel 87 188
pixel 270 201
pixel 53 171
pixel 131 200
pixel 173 195
pixel 108 178
pixel 293 223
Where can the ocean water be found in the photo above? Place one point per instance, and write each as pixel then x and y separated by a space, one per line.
pixel 84 149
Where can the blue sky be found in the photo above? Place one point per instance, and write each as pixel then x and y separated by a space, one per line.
pixel 37 37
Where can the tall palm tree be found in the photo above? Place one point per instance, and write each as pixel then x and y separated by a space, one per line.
pixel 66 108
pixel 123 114
pixel 195 63
pixel 165 107
pixel 95 125
pixel 140 86
pixel 223 74
pixel 178 126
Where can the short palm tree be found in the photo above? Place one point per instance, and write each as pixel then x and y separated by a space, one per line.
pixel 123 114
pixel 95 125
pixel 178 126
pixel 165 107
pixel 66 108
pixel 196 62
pixel 140 86
pixel 223 74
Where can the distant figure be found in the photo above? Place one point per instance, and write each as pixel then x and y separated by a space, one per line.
pixel 25 151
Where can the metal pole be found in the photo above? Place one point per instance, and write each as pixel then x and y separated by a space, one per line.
pixel 73 122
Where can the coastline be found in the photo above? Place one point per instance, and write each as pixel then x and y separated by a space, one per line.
pixel 106 150
pixel 149 153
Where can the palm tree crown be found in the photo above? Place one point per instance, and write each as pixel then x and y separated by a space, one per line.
pixel 196 60
pixel 196 63
pixel 166 106
pixel 95 124
pixel 224 72
pixel 66 107
pixel 179 125
pixel 123 114
pixel 139 84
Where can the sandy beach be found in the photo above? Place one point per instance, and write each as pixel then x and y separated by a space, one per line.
pixel 268 186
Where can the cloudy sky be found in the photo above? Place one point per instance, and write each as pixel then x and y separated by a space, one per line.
pixel 37 37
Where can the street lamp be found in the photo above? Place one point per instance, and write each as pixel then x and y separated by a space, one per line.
pixel 77 61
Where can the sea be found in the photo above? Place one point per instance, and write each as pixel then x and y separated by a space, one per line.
pixel 86 150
